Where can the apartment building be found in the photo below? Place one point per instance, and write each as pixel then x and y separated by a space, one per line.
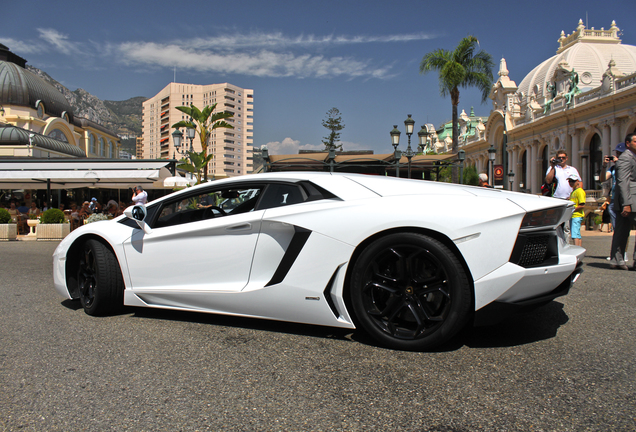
pixel 232 148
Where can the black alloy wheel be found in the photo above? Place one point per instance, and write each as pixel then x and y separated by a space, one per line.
pixel 101 286
pixel 410 292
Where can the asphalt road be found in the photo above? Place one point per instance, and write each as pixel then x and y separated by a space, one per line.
pixel 568 366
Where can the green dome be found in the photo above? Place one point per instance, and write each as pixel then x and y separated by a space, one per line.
pixel 21 87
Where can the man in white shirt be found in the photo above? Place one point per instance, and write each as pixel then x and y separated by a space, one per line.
pixel 140 196
pixel 561 171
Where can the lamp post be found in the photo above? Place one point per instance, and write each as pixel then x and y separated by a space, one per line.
pixel 461 156
pixel 492 154
pixel 408 124
pixel 511 178
pixel 423 136
pixel 177 136
pixel 397 154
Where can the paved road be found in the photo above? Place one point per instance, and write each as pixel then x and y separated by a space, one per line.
pixel 568 366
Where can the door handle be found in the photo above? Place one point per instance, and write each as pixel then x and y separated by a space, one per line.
pixel 240 227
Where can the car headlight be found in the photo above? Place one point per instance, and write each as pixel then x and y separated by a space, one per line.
pixel 542 218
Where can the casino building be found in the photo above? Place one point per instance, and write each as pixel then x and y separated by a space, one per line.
pixel 37 121
pixel 582 100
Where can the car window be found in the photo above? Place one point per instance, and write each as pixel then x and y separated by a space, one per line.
pixel 208 204
pixel 280 194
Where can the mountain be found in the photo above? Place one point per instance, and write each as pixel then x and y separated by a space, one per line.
pixel 121 117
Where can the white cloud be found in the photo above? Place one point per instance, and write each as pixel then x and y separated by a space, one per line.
pixel 290 146
pixel 61 42
pixel 257 54
pixel 21 47
pixel 259 63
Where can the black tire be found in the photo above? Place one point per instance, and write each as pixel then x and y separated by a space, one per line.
pixel 410 292
pixel 101 286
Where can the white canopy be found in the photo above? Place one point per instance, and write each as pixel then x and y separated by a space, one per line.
pixel 84 172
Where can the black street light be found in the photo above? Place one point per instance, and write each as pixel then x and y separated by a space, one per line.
pixel 423 136
pixel 492 154
pixel 177 136
pixel 397 154
pixel 461 157
pixel 408 124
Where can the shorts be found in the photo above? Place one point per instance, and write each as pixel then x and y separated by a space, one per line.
pixel 575 227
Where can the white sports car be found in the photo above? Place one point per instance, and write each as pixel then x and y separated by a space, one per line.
pixel 409 261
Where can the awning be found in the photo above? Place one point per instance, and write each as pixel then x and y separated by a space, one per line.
pixel 86 172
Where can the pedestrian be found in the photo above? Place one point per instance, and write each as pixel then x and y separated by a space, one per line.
pixel 140 196
pixel 559 171
pixel 625 202
pixel 578 198
pixel 610 173
pixel 93 205
pixel 605 216
pixel 483 180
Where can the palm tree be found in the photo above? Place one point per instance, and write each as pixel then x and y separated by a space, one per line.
pixel 203 122
pixel 460 68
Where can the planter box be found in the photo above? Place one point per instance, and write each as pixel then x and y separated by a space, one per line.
pixel 8 232
pixel 53 231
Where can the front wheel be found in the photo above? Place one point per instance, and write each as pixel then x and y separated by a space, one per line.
pixel 410 292
pixel 101 286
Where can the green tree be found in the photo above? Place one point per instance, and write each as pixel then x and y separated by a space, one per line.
pixel 197 164
pixel 204 122
pixel 460 68
pixel 333 122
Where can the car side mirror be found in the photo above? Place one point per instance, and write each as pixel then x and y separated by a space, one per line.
pixel 138 213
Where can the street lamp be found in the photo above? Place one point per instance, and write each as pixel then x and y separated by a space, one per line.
pixel 511 178
pixel 177 136
pixel 423 135
pixel 461 156
pixel 408 124
pixel 395 142
pixel 492 154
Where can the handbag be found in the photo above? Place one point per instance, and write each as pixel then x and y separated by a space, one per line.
pixel 547 189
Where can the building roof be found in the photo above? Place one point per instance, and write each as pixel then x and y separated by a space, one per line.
pixel 588 52
pixel 21 87
pixel 13 135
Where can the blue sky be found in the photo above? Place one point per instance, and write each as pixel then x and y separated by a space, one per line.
pixel 300 57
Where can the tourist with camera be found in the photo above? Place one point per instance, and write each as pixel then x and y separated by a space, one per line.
pixel 624 204
pixel 607 173
pixel 558 172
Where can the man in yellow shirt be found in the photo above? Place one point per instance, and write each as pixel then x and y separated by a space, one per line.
pixel 578 198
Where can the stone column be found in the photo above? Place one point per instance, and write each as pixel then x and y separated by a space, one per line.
pixel 605 138
pixel 575 159
pixel 533 163
pixel 615 135
pixel 515 167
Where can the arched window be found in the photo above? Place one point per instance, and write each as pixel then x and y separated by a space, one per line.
pixel 91 147
pixel 110 149
pixel 101 146
pixel 524 168
pixel 58 135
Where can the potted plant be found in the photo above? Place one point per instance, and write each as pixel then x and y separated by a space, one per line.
pixel 53 225
pixel 8 230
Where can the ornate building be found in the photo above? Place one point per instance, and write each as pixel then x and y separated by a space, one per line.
pixel 582 100
pixel 36 120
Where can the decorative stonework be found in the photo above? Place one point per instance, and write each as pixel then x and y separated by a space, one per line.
pixel 8 232
pixel 53 231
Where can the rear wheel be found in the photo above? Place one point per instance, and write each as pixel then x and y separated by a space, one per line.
pixel 410 292
pixel 101 286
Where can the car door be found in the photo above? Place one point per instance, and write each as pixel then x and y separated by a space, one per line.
pixel 193 246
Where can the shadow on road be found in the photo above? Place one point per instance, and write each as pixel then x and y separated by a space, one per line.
pixel 524 328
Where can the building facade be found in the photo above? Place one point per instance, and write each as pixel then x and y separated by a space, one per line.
pixel 581 100
pixel 37 121
pixel 232 148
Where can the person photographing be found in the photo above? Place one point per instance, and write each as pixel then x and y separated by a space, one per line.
pixel 140 196
pixel 558 172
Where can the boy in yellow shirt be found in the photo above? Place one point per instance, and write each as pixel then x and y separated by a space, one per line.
pixel 578 198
